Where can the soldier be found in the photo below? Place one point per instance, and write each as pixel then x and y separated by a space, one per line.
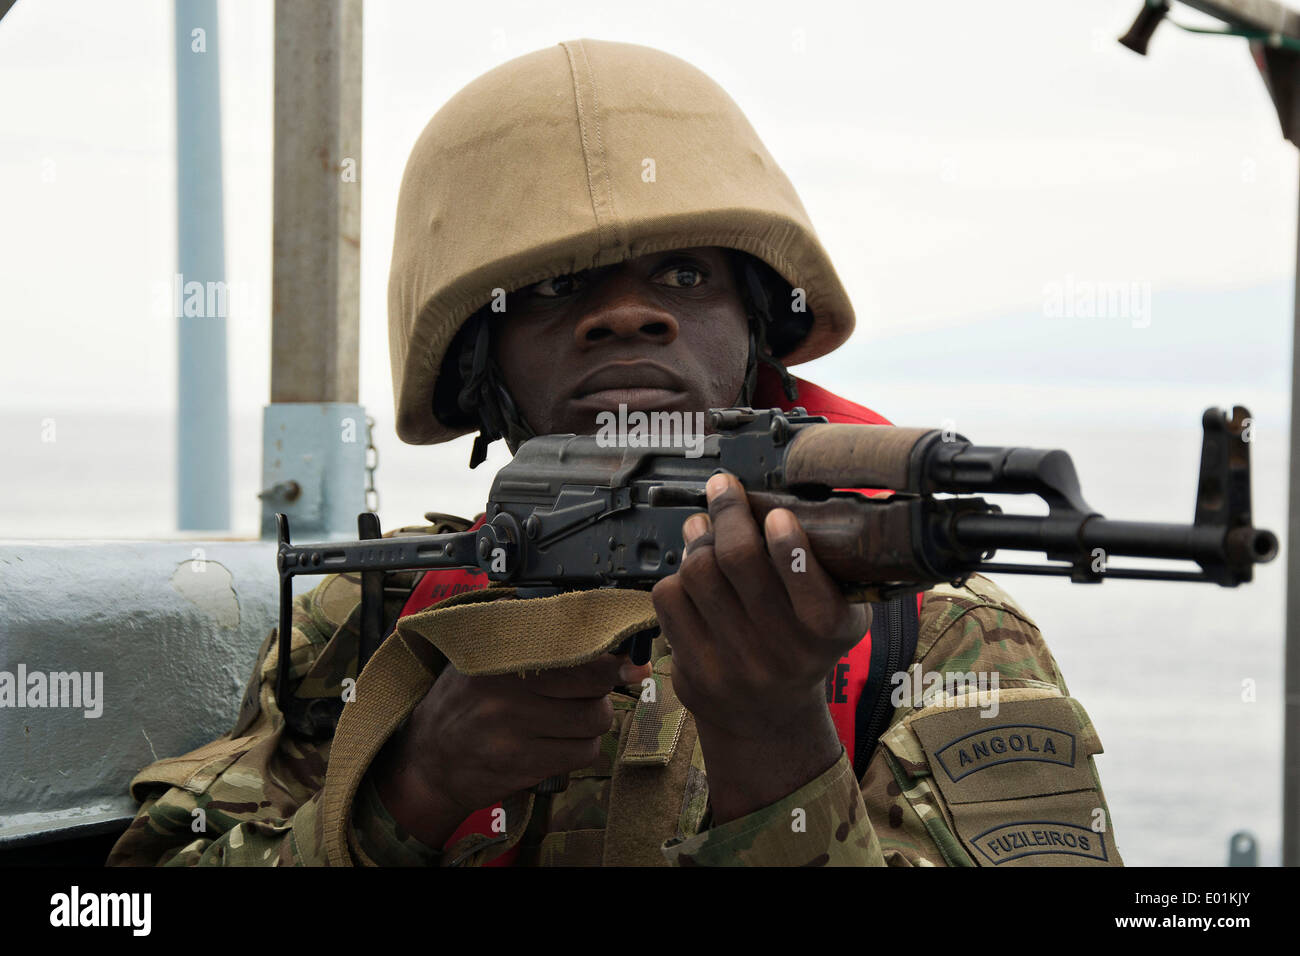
pixel 589 226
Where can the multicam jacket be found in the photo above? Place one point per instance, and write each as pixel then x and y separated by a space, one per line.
pixel 1005 777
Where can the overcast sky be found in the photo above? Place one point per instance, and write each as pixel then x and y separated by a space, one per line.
pixel 956 158
pixel 953 162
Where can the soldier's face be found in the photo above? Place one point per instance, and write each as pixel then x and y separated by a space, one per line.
pixel 662 332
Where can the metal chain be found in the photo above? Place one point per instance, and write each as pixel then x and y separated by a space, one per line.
pixel 372 462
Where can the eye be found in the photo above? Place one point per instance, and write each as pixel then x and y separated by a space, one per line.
pixel 558 287
pixel 684 276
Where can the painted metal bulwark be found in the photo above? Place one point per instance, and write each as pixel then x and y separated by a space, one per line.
pixel 113 655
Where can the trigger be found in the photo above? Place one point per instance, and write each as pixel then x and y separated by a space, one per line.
pixel 639 646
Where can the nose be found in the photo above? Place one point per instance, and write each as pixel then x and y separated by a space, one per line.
pixel 621 309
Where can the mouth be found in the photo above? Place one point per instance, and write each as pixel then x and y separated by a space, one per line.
pixel 638 385
pixel 644 399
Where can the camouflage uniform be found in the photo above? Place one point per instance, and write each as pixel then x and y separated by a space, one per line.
pixel 942 789
pixel 561 161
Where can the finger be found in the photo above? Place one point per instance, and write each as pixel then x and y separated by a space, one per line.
pixel 680 620
pixel 738 544
pixel 630 674
pixel 562 719
pixel 816 599
pixel 697 532
pixel 549 758
pixel 709 590
pixel 596 678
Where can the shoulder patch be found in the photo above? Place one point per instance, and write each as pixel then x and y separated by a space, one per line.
pixel 1015 782
pixel 1025 748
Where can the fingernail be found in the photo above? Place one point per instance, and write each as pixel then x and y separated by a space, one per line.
pixel 716 486
pixel 695 526
pixel 780 522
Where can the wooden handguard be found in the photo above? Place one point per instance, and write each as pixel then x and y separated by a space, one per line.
pixel 853 456
pixel 853 540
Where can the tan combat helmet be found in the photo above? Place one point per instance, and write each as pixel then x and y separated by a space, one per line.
pixel 574 157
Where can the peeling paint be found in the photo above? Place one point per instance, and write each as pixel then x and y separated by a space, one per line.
pixel 207 585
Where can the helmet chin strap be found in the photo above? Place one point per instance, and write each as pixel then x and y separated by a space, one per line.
pixel 759 322
pixel 486 397
pixel 758 351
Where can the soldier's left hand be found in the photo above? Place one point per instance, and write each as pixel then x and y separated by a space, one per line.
pixel 754 621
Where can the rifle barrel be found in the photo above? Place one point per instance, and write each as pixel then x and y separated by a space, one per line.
pixel 1145 539
pixel 1226 554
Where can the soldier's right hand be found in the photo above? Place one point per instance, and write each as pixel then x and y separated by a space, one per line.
pixel 473 741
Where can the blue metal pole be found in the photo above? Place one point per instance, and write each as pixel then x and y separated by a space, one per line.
pixel 200 297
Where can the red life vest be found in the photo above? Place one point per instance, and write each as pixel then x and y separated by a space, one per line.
pixel 844 685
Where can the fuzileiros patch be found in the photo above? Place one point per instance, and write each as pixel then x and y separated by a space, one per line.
pixel 1019 789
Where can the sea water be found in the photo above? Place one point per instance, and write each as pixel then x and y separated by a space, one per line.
pixel 1183 681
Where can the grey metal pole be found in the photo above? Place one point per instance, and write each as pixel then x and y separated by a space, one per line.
pixel 316 275
pixel 199 294
pixel 314 432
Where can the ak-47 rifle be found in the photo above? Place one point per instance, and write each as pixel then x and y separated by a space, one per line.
pixel 569 512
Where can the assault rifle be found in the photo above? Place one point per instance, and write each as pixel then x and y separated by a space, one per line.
pixel 570 511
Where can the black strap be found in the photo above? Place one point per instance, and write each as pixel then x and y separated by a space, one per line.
pixel 895 630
